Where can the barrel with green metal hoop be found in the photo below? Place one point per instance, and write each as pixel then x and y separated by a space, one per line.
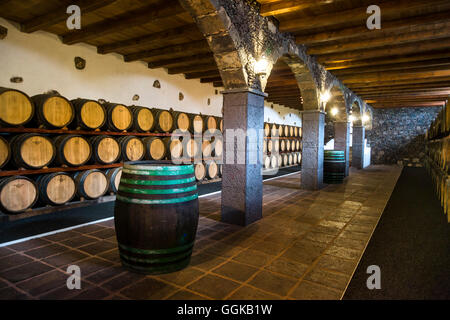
pixel 333 166
pixel 156 216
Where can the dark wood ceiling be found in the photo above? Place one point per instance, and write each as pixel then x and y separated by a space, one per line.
pixel 404 64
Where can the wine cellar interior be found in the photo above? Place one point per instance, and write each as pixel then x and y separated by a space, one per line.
pixel 224 150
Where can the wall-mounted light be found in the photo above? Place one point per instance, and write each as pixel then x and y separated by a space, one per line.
pixel 365 118
pixel 261 66
pixel 325 96
pixel 334 111
pixel 351 118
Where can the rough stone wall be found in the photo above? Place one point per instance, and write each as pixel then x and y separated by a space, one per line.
pixel 398 135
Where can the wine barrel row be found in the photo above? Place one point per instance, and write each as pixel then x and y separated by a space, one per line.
pixel 274 145
pixel 207 170
pixel 20 193
pixel 54 111
pixel 281 130
pixel 281 160
pixel 440 127
pixel 36 151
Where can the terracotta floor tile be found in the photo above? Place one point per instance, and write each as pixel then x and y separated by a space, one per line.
pixel 61 236
pixel 310 291
pixel 182 277
pixel 25 271
pixel 185 295
pixel 46 251
pixel 205 261
pixel 12 294
pixel 337 264
pixel 124 279
pixel 106 274
pixel 328 279
pixel 213 286
pixel 78 241
pixel 148 289
pixel 253 258
pixel 43 283
pixel 65 258
pixel 344 252
pixel 92 293
pixel 98 247
pixel 4 251
pixel 30 244
pixel 249 293
pixel 287 267
pixel 272 283
pixel 236 271
pixel 91 265
pixel 12 261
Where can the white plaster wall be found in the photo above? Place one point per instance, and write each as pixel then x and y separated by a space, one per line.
pixel 45 63
pixel 281 115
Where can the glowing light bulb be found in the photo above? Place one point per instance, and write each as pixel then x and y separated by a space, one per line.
pixel 365 118
pixel 261 66
pixel 334 111
pixel 351 118
pixel 325 96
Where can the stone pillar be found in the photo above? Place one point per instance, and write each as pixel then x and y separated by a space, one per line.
pixel 342 140
pixel 242 189
pixel 359 133
pixel 313 126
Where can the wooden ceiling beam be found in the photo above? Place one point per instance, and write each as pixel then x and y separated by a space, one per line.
pixel 204 74
pixel 209 80
pixel 389 60
pixel 441 30
pixel 414 24
pixel 60 15
pixel 390 11
pixel 393 50
pixel 394 93
pixel 193 68
pixel 444 63
pixel 395 76
pixel 417 84
pixel 199 58
pixel 396 82
pixel 406 105
pixel 171 34
pixel 138 17
pixel 283 6
pixel 192 47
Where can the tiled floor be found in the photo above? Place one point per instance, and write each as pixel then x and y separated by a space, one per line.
pixel 307 246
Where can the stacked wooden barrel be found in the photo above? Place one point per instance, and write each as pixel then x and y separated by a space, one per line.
pixel 284 142
pixel 437 160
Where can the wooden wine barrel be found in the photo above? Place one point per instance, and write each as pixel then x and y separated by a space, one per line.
pixel 275 145
pixel 221 124
pixel 32 151
pixel 90 115
pixel 291 131
pixel 290 159
pixel 113 176
pixel 182 121
pixel 294 158
pixel 53 111
pixel 333 166
pixel 218 147
pixel 274 130
pixel 270 146
pixel 5 152
pixel 133 148
pixel 210 123
pixel 16 108
pixel 17 194
pixel 266 129
pixel 198 124
pixel 206 148
pixel 156 217
pixel 266 162
pixel 119 118
pixel 279 160
pixel 143 119
pixel 72 150
pixel 300 132
pixel 105 149
pixel 212 169
pixel 155 148
pixel 191 148
pixel 273 161
pixel 281 130
pixel 283 145
pixel 174 147
pixel 285 160
pixel 164 120
pixel 288 145
pixel 295 131
pixel 265 143
pixel 91 184
pixel 299 157
pixel 297 145
pixel 56 188
pixel 200 171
